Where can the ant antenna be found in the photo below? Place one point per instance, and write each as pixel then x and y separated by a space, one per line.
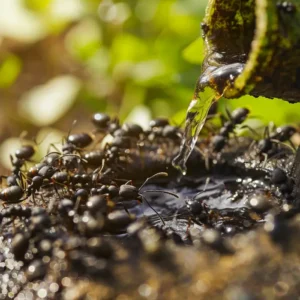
pixel 283 144
pixel 160 174
pixel 72 127
pixel 253 131
pixel 164 192
pixel 99 169
pixel 228 113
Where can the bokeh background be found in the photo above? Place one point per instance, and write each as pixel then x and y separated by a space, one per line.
pixel 63 60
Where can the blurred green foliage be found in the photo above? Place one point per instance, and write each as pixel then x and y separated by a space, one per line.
pixel 117 56
pixel 122 54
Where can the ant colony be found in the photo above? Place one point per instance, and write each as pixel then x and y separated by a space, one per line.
pixel 111 197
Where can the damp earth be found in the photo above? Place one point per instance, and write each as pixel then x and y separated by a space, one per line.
pixel 108 217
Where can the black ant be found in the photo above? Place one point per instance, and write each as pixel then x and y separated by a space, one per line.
pixel 161 127
pixel 238 116
pixel 22 155
pixel 25 152
pixel 12 194
pixel 19 245
pixel 101 120
pixel 132 130
pixel 268 145
pixel 159 123
pixel 68 160
pixel 156 128
pixel 171 132
pixel 104 123
pixel 79 140
pixel 48 173
pixel 35 185
pixel 198 208
pixel 16 211
pixel 94 158
pixel 129 192
pixel 284 133
pixel 285 182
pixel 74 142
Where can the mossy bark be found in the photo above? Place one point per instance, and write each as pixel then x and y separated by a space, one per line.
pixel 262 34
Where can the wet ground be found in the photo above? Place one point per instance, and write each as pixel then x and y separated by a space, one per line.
pixel 81 224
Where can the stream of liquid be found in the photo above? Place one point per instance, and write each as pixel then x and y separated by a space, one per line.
pixel 195 120
pixel 223 77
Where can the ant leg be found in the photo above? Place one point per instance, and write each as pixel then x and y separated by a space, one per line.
pixel 42 198
pixel 292 145
pixel 206 159
pixel 205 207
pixel 23 180
pixel 54 147
pixel 265 159
pixel 56 190
pixel 252 145
pixel 144 198
pixel 14 226
pixel 188 226
pixel 266 134
pixel 125 208
pixel 33 198
pixel 11 160
pixel 76 206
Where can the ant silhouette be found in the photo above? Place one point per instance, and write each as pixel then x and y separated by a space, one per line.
pixel 129 192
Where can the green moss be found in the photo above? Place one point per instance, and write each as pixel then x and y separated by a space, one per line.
pixel 262 36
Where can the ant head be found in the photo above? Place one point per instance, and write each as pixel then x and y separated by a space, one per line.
pixel 239 115
pixel 278 176
pixel 101 120
pixel 128 192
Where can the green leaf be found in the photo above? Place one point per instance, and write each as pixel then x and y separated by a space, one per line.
pixel 84 40
pixel 267 110
pixel 37 5
pixel 9 71
pixel 194 53
pixel 127 47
